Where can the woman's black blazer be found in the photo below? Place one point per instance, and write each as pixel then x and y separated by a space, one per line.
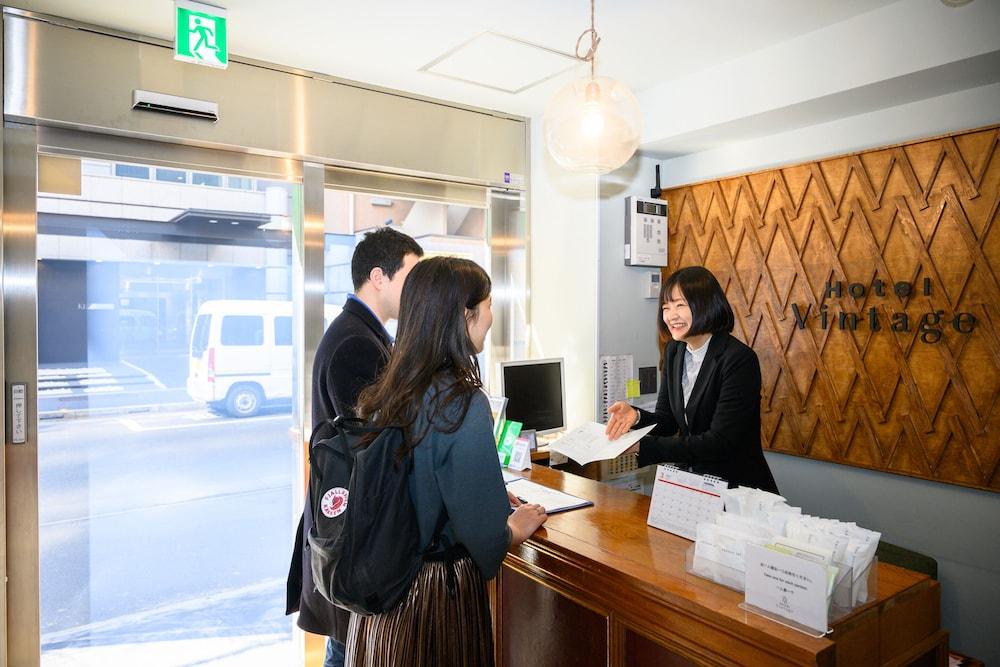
pixel 718 433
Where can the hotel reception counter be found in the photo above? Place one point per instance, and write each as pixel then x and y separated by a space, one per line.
pixel 597 586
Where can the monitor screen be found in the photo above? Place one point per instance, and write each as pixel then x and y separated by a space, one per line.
pixel 534 391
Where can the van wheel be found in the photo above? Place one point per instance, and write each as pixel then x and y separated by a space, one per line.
pixel 244 400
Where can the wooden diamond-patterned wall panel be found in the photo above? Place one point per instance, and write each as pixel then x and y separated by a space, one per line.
pixel 908 396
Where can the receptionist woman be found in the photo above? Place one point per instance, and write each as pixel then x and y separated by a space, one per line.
pixel 708 410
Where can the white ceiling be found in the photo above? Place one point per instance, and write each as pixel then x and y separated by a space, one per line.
pixel 644 42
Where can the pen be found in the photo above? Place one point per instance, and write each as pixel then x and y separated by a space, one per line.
pixel 522 500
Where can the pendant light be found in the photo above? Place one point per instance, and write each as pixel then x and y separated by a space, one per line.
pixel 592 125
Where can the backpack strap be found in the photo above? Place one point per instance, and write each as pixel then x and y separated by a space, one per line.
pixel 436 546
pixel 448 555
pixel 439 528
pixel 354 425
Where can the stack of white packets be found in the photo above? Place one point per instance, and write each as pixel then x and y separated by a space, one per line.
pixel 765 519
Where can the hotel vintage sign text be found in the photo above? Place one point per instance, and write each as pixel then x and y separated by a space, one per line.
pixel 930 325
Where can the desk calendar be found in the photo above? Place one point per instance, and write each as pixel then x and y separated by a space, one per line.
pixel 682 500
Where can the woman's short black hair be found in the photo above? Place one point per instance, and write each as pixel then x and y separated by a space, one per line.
pixel 710 310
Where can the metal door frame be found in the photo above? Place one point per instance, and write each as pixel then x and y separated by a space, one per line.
pixel 3 434
pixel 22 143
pixel 20 159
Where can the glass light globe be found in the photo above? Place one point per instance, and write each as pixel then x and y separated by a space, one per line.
pixel 592 125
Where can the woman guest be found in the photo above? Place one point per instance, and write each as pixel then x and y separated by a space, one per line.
pixel 432 388
pixel 708 410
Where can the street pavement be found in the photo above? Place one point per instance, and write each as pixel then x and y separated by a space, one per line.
pixel 135 380
pixel 166 526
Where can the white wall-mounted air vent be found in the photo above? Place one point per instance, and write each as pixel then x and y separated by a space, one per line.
pixel 144 100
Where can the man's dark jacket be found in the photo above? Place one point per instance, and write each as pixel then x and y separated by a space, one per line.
pixel 718 431
pixel 353 351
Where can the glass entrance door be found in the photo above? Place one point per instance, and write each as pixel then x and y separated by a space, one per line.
pixel 169 426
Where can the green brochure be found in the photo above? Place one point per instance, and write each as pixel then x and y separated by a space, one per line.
pixel 508 436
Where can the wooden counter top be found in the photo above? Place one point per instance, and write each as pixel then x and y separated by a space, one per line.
pixel 607 559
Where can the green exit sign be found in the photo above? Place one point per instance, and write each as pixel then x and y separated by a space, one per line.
pixel 201 36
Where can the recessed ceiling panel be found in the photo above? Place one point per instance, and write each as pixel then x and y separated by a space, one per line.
pixel 500 62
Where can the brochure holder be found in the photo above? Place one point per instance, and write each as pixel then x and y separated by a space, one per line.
pixel 849 592
pixel 713 571
pixel 787 622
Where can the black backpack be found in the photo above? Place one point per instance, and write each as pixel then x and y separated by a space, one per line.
pixel 365 540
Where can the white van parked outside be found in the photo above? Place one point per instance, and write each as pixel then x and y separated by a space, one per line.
pixel 241 354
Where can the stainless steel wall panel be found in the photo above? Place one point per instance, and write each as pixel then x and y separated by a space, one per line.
pixel 310 252
pixel 59 141
pixel 73 78
pixel 21 365
pixel 509 261
pixel 407 187
pixel 3 450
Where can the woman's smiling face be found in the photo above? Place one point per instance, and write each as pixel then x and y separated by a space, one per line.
pixel 677 314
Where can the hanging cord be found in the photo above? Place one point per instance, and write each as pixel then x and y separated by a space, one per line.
pixel 591 53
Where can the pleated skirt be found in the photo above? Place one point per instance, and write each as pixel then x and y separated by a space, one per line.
pixel 444 620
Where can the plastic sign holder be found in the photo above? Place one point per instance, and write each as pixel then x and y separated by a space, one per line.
pixel 849 592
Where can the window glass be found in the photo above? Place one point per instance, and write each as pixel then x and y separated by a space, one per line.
pixel 173 175
pixel 239 183
pixel 283 330
pixel 242 330
pixel 213 180
pixel 199 339
pixel 132 171
pixel 91 168
pixel 153 547
pixel 440 228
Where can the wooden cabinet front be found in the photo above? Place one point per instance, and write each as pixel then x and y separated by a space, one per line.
pixel 597 586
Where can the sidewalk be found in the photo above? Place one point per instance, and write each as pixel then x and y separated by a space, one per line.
pixel 248 651
pixel 70 413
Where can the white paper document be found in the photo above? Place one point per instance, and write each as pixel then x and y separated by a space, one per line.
pixel 587 443
pixel 553 501
pixel 509 477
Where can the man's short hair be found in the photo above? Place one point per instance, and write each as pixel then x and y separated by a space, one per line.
pixel 384 248
pixel 710 310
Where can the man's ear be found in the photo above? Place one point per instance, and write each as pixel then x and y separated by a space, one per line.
pixel 376 277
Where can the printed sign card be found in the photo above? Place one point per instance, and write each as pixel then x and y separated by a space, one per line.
pixel 520 458
pixel 787 586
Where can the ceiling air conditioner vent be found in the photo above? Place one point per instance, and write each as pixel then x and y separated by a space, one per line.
pixel 144 100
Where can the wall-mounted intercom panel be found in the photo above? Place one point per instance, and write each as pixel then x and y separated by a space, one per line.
pixel 645 232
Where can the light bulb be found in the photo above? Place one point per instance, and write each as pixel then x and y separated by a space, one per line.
pixel 592 121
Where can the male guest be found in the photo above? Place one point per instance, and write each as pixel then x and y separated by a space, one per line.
pixel 354 349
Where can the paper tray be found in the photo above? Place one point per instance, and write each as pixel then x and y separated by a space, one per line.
pixel 848 592
pixel 852 591
pixel 720 574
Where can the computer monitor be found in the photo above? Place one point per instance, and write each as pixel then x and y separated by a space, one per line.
pixel 535 394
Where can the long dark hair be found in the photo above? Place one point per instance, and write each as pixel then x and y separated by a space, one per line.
pixel 439 298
